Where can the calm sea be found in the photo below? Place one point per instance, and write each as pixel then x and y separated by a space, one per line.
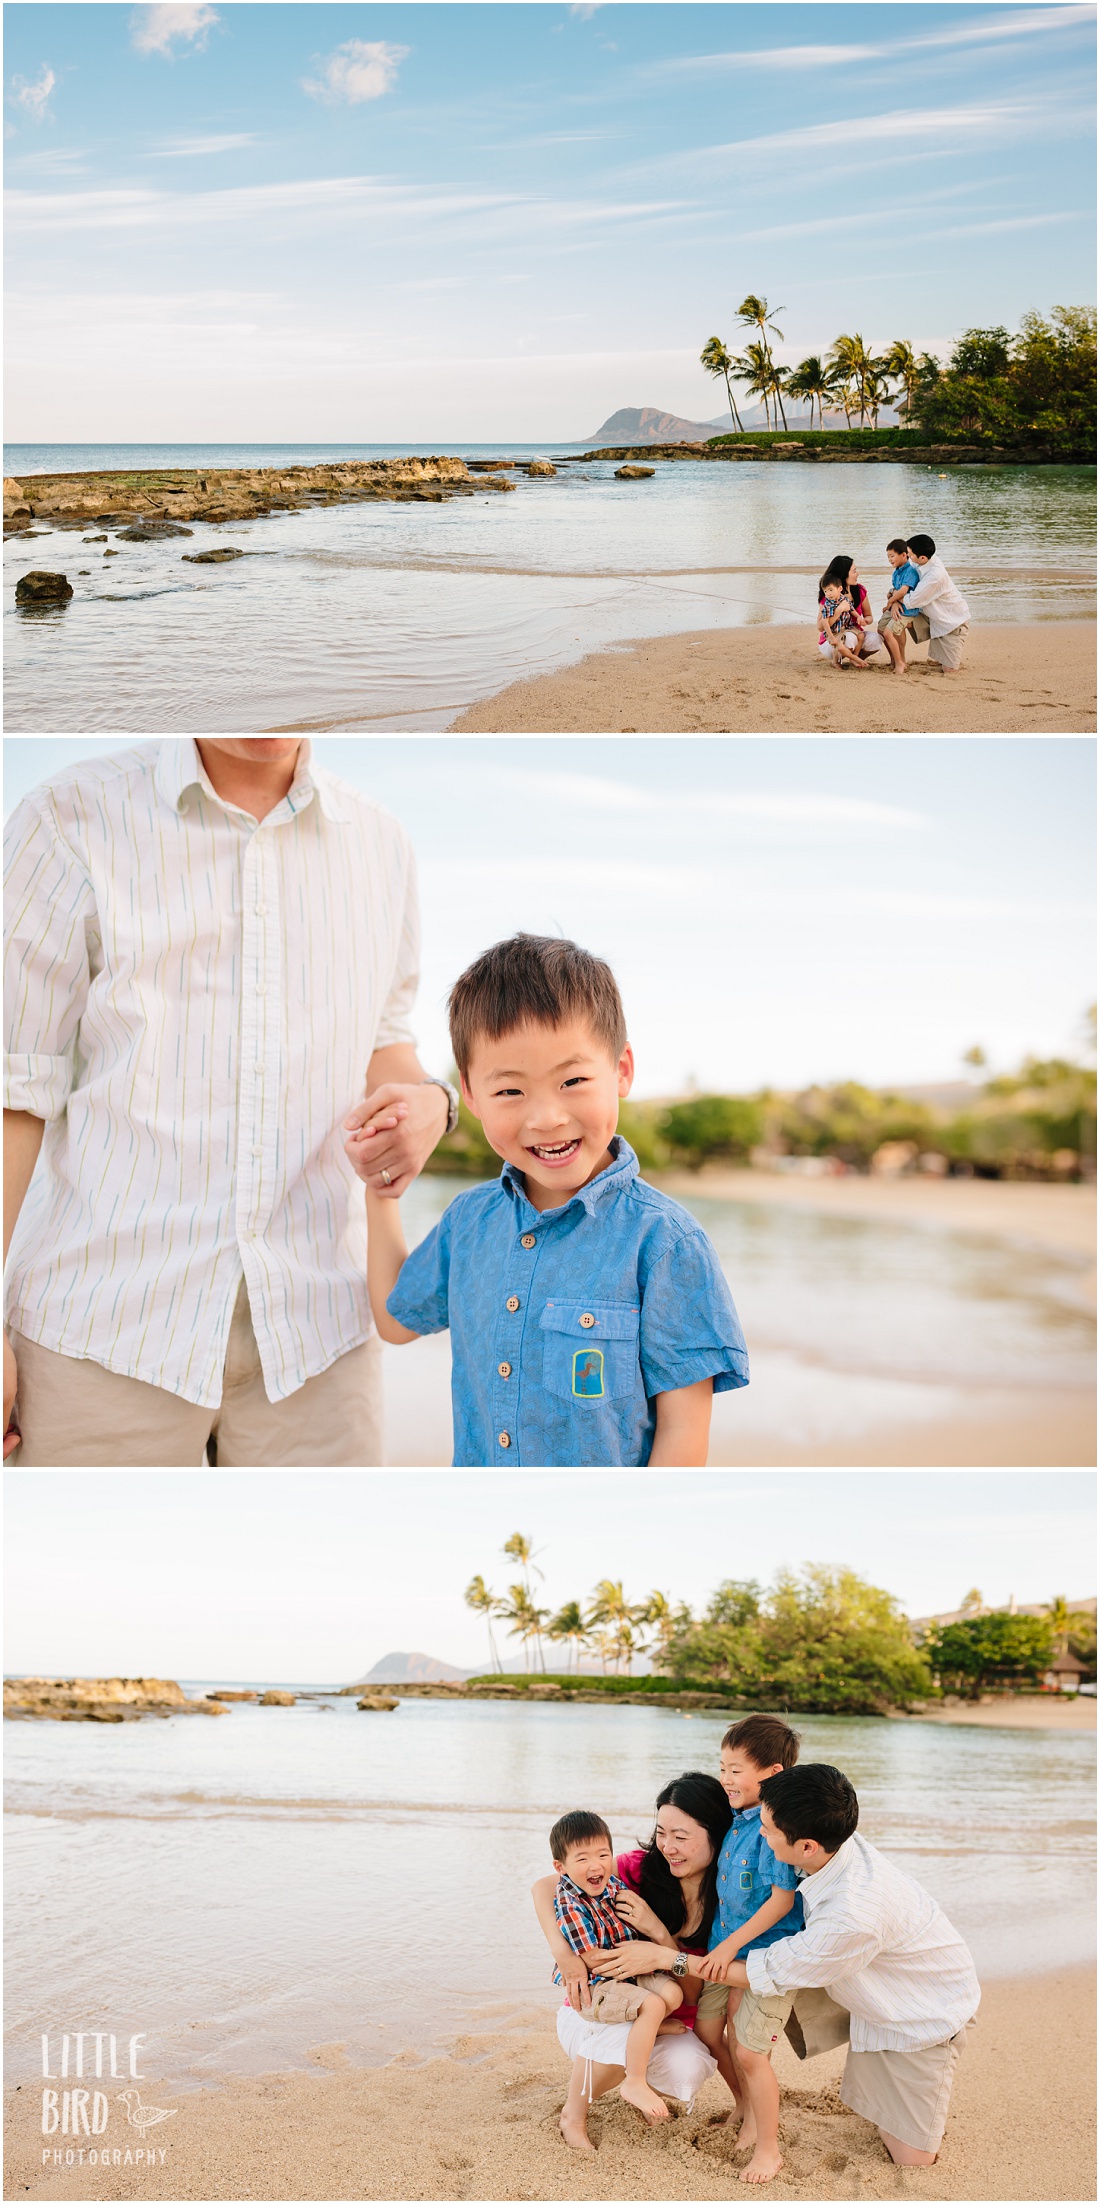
pixel 247 1889
pixel 394 617
pixel 852 1325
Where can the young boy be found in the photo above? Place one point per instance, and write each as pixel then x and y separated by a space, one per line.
pixel 892 627
pixel 590 1321
pixel 757 1905
pixel 584 1909
pixel 840 636
pixel 936 610
pixel 880 1945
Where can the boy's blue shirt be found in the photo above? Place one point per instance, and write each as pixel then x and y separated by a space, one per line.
pixel 906 576
pixel 748 1872
pixel 618 1296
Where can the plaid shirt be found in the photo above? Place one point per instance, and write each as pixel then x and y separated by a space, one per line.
pixel 587 1923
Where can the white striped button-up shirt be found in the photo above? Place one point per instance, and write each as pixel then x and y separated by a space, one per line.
pixel 192 1001
pixel 938 596
pixel 880 1945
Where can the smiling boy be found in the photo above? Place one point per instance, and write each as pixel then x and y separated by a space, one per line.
pixel 590 1321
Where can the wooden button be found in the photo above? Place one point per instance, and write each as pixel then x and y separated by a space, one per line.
pixel 528 1240
pixel 588 1322
pixel 504 1369
pixel 503 1439
pixel 512 1302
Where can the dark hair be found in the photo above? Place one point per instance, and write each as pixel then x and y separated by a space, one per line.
pixel 897 543
pixel 922 545
pixel 573 1829
pixel 815 1801
pixel 764 1739
pixel 702 1798
pixel 533 979
pixel 838 570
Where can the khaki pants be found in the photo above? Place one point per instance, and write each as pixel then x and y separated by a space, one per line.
pixel 906 2093
pixel 943 650
pixel 77 1415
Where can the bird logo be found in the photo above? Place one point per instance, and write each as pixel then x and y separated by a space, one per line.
pixel 143 2116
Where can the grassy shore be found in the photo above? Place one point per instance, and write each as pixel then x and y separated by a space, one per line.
pixel 482 2123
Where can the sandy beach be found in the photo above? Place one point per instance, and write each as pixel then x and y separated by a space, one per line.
pixel 1070 1715
pixel 1028 679
pixel 482 2122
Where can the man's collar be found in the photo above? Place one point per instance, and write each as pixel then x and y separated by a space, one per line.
pixel 815 1886
pixel 624 1167
pixel 180 768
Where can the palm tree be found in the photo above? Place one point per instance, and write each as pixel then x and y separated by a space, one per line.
pixel 518 1548
pixel 971 1602
pixel 779 381
pixel 851 360
pixel 755 313
pixel 1060 1623
pixel 754 368
pixel 611 1610
pixel 811 379
pixel 524 1620
pixel 878 388
pixel 718 361
pixel 569 1625
pixel 484 1602
pixel 900 363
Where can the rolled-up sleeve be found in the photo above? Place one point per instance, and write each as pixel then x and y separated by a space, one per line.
pixel 811 1960
pixel 689 1326
pixel 419 1300
pixel 394 1025
pixel 49 916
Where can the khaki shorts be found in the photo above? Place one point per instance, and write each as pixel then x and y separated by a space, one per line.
pixel 714 1998
pixel 613 2002
pixel 906 2093
pixel 944 650
pixel 891 623
pixel 76 1415
pixel 760 2021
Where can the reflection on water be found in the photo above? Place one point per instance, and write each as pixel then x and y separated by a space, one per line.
pixel 851 1325
pixel 384 615
pixel 247 1888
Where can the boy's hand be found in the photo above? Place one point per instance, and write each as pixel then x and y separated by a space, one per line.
pixel 713 1967
pixel 393 1132
pixel 574 1974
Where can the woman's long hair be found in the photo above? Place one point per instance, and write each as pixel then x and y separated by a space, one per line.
pixel 702 1798
pixel 837 570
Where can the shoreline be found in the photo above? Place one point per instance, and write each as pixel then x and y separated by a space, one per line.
pixel 481 2122
pixel 1025 678
pixel 1060 1219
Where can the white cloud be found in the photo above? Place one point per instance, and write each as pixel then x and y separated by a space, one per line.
pixel 781 807
pixel 179 149
pixel 34 98
pixel 160 28
pixel 358 70
pixel 586 9
pixel 996 28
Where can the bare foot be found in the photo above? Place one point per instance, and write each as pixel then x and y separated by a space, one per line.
pixel 574 2132
pixel 763 2165
pixel 747 2138
pixel 644 2099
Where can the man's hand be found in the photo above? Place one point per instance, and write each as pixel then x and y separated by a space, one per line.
pixel 11 1438
pixel 574 1974
pixel 393 1132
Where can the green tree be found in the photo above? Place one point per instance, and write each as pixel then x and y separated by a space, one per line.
pixel 755 368
pixel 713 1125
pixel 755 313
pixel 569 1626
pixel 525 1621
pixel 988 1652
pixel 811 379
pixel 611 1613
pixel 833 1642
pixel 717 360
pixel 484 1602
pixel 902 366
pixel 1058 1613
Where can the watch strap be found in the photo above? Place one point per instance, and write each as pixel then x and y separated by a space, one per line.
pixel 452 1101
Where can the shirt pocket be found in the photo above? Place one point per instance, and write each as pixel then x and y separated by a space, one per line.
pixel 590 1350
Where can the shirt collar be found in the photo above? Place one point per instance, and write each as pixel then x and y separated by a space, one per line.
pixel 180 768
pixel 743 1814
pixel 618 1173
pixel 573 1890
pixel 818 1886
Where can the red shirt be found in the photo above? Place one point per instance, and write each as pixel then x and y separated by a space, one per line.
pixel 628 1866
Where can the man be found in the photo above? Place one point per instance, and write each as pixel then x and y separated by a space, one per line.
pixel 212 948
pixel 936 610
pixel 881 1947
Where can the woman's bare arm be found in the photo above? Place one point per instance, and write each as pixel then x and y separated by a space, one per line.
pixel 572 1967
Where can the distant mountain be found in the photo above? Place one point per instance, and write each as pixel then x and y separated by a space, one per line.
pixel 645 425
pixel 414 1668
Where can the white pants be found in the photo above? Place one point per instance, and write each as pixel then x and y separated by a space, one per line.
pixel 678 2066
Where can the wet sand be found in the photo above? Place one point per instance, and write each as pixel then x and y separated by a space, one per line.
pixel 483 2123
pixel 995 1431
pixel 1070 1713
pixel 1027 679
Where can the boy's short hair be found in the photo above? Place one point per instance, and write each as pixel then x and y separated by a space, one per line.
pixel 533 979
pixel 922 545
pixel 573 1829
pixel 764 1739
pixel 815 1801
pixel 898 543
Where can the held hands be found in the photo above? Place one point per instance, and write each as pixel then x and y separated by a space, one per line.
pixel 714 1968
pixel 392 1134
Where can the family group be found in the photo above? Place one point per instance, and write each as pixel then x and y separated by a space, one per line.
pixel 190 1281
pixel 923 605
pixel 689 1955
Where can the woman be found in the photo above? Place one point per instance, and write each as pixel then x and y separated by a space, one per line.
pixel 862 634
pixel 670 1899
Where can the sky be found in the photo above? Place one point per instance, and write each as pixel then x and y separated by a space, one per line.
pixel 481 222
pixel 314 1576
pixel 777 911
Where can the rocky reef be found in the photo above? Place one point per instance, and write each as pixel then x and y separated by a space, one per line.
pixel 97 1699
pixel 837 453
pixel 232 493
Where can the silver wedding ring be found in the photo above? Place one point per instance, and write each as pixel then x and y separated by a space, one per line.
pixel 386 1179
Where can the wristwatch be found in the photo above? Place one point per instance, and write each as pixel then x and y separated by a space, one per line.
pixel 680 1965
pixel 452 1101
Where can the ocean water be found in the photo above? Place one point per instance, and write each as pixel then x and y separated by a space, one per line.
pixel 393 617
pixel 245 1890
pixel 852 1326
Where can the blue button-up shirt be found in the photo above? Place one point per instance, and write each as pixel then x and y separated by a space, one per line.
pixel 566 1323
pixel 748 1872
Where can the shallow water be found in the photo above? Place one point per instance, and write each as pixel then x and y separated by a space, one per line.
pixel 851 1325
pixel 399 616
pixel 242 1890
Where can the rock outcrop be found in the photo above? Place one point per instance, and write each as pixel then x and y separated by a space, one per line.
pixel 376 1705
pixel 97 1698
pixel 634 474
pixel 168 495
pixel 43 589
pixel 207 558
pixel 540 466
pixel 233 1695
pixel 278 1699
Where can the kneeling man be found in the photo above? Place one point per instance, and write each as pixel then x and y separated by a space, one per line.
pixel 881 1947
pixel 936 611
